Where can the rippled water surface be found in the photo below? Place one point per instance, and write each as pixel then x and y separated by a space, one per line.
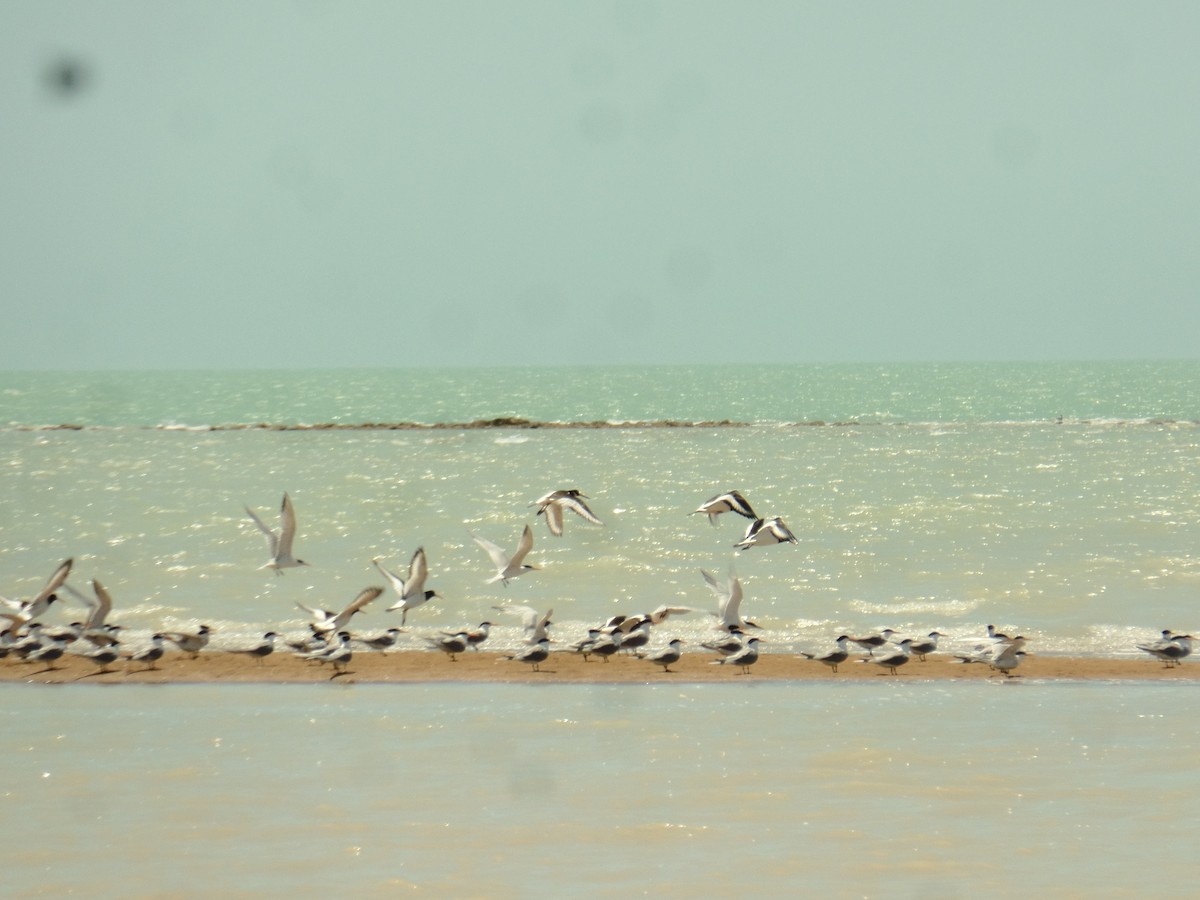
pixel 863 790
pixel 1080 536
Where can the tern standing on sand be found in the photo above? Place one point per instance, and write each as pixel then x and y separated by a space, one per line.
pixel 832 658
pixel 535 655
pixel 743 659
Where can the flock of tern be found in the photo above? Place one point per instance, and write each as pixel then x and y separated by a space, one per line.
pixel 26 637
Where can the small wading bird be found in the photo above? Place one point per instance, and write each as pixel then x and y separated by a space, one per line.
pixel 535 655
pixel 584 645
pixel 635 633
pixel 832 658
pixel 191 643
pixel 1003 657
pixel 261 650
pixel 891 659
pixel 49 652
pixel 338 653
pixel 551 505
pixel 743 659
pixel 280 541
pixel 727 645
pixel 508 567
pixel 102 657
pixel 411 591
pixel 732 501
pixel 604 646
pixel 1172 649
pixel 475 636
pixel 380 641
pixel 149 655
pixel 872 642
pixel 667 656
pixel 920 647
pixel 450 644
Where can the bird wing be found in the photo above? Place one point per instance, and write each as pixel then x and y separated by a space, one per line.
pixel 723 593
pixel 272 537
pixel 741 506
pixel 660 614
pixel 529 615
pixel 734 603
pixel 1009 652
pixel 554 518
pixel 751 534
pixel 80 596
pixel 717 588
pixel 55 582
pixel 103 606
pixel 495 551
pixel 523 547
pixel 287 526
pixel 418 571
pixel 539 628
pixel 706 508
pixel 364 597
pixel 395 580
pixel 782 532
pixel 579 507
pixel 320 616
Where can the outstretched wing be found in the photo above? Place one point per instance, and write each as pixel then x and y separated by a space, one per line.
pixel 663 612
pixel 554 518
pixel 496 552
pixel 364 597
pixel 418 571
pixel 56 580
pixel 272 538
pixel 103 605
pixel 287 527
pixel 578 506
pixel 523 547
pixel 528 614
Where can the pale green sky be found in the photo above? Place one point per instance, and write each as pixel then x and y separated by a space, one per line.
pixel 450 183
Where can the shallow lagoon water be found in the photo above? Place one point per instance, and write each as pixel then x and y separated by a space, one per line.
pixel 846 790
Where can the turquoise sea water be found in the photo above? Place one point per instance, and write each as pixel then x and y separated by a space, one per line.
pixel 745 392
pixel 1062 501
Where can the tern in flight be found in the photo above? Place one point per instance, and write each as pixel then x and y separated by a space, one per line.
pixel 280 541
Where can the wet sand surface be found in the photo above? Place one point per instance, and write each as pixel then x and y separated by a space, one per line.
pixel 368 667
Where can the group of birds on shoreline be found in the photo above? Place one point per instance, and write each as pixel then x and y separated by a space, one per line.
pixel 330 640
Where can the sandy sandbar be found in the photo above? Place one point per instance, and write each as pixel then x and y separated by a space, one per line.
pixel 409 666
